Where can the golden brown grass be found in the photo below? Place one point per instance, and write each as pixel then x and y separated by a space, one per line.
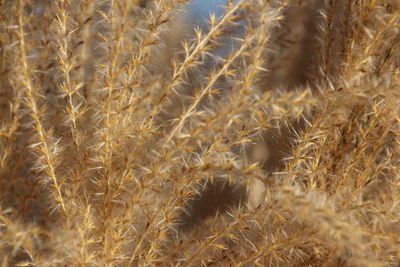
pixel 118 150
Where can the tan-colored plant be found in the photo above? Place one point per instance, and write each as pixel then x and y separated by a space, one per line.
pixel 281 151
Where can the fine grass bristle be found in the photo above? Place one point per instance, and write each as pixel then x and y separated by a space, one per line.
pixel 130 137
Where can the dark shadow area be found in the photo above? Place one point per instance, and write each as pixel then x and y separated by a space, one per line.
pixel 217 197
pixel 279 143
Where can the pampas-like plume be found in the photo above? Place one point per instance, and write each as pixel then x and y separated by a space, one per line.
pixel 119 148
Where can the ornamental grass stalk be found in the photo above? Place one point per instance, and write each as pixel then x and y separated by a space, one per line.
pixel 120 147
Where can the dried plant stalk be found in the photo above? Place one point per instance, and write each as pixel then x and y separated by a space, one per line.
pixel 120 148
